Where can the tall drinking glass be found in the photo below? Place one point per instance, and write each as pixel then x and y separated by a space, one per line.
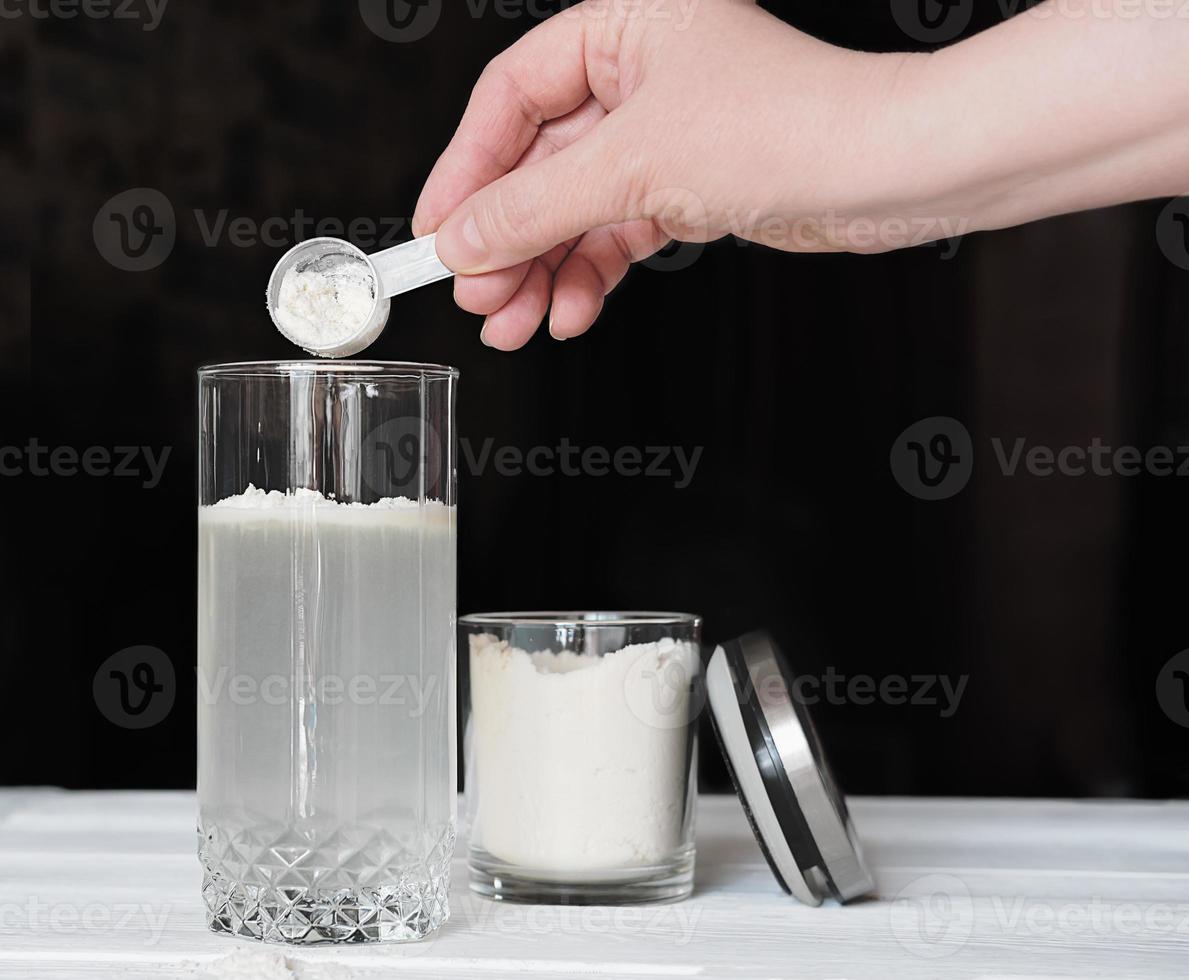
pixel 326 603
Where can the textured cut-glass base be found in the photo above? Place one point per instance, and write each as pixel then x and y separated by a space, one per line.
pixel 275 894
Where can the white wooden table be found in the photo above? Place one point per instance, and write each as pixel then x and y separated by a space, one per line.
pixel 106 885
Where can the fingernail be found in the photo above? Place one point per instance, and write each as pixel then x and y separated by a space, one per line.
pixel 483 335
pixel 462 248
pixel 551 333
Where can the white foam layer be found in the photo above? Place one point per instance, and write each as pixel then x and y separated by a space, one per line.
pixel 264 505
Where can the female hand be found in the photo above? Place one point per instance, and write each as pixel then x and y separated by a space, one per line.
pixel 619 125
pixel 613 128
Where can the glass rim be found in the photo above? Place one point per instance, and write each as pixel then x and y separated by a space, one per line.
pixel 580 617
pixel 326 366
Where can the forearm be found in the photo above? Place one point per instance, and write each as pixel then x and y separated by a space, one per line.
pixel 1048 113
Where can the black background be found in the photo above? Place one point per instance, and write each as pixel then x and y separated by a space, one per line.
pixel 1061 598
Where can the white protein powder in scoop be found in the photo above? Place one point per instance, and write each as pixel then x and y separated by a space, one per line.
pixel 581 763
pixel 327 302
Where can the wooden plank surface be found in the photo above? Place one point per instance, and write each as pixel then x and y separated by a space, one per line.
pixel 106 885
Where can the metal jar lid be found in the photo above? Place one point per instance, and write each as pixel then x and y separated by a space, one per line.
pixel 781 775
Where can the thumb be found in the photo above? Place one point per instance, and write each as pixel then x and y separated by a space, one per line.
pixel 530 210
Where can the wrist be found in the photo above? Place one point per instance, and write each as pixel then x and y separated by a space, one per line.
pixel 850 170
pixel 877 181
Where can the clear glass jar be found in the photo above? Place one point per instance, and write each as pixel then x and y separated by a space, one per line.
pixel 326 649
pixel 580 755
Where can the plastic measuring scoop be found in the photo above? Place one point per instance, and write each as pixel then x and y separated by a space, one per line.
pixel 393 271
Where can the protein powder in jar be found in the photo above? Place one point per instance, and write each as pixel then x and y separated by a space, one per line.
pixel 581 754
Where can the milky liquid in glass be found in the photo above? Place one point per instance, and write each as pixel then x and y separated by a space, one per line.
pixel 289 785
pixel 326 751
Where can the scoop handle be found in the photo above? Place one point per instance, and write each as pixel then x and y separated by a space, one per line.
pixel 407 266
